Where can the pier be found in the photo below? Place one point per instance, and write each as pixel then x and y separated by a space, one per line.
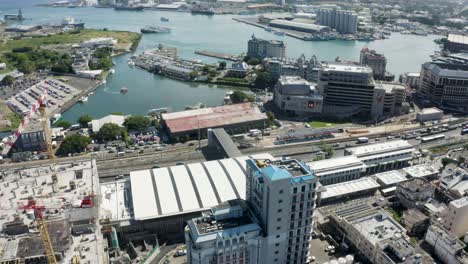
pixel 219 55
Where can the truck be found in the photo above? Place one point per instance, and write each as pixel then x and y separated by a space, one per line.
pixel 362 140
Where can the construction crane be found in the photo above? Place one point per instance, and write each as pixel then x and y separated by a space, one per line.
pixel 42 226
pixel 47 132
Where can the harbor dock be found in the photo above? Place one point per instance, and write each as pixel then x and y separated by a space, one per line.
pixel 219 55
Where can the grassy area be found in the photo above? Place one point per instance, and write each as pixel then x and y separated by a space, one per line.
pixel 397 213
pixel 125 39
pixel 439 150
pixel 319 124
pixel 11 116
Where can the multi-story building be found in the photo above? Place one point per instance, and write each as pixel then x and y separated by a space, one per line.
pixel 282 195
pixel 307 69
pixel 395 98
pixel 375 234
pixel 455 217
pixel 350 89
pixel 414 193
pixel 456 43
pixel 446 247
pixel 227 234
pixel 411 79
pixel 342 21
pixel 445 84
pixel 377 62
pixel 261 48
pixel 337 170
pixel 384 156
pixel 295 96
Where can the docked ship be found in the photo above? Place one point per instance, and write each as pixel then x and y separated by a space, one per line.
pixel 71 22
pixel 164 19
pixel 124 90
pixel 203 11
pixel 155 29
pixel 83 99
pixel 128 8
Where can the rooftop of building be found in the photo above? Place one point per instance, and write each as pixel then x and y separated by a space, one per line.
pixel 226 220
pixel 420 171
pixel 271 42
pixel 300 25
pixel 458 38
pixel 384 147
pixel 462 202
pixel 415 185
pixel 447 70
pixel 448 238
pixel 414 215
pixel 349 187
pixel 280 169
pixel 378 227
pixel 390 87
pixel 62 189
pixel 390 177
pixel 183 189
pixel 346 67
pixel 293 80
pixel 431 110
pixel 96 124
pixel 212 117
pixel 336 165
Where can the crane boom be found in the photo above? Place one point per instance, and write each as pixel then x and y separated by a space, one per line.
pixel 49 249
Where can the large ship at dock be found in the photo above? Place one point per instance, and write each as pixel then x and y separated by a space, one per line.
pixel 155 29
pixel 128 8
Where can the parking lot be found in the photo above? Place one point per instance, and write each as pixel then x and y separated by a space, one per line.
pixel 319 248
pixel 175 256
pixel 57 92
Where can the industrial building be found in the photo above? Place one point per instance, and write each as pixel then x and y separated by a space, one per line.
pixel 295 96
pixel 454 218
pixel 249 233
pixel 424 170
pixel 350 89
pixel 429 114
pixel 342 21
pixel 261 48
pixel 390 178
pixel 67 197
pixel 298 26
pixel 337 170
pixel 96 124
pixel 384 156
pixel 343 191
pixel 235 118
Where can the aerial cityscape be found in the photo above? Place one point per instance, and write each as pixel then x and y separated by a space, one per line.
pixel 234 131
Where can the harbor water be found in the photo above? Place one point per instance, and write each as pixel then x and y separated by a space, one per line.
pixel 219 33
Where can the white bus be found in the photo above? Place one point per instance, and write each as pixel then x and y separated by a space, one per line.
pixel 432 138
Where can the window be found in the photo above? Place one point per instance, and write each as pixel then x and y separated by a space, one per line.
pixel 277 252
pixel 303 188
pixel 280 210
pixel 277 236
pixel 278 227
pixel 280 191
pixel 278 219
pixel 280 201
pixel 277 244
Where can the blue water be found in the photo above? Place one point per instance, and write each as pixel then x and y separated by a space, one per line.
pixel 405 53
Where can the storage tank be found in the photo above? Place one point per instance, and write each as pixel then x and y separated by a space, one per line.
pixel 341 261
pixel 349 259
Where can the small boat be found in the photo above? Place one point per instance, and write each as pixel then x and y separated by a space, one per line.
pixel 111 71
pixel 56 118
pixel 124 90
pixel 91 93
pixel 83 99
pixel 279 33
pixel 131 63
pixel 164 19
pixel 197 106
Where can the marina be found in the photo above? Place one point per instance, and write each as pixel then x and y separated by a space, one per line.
pixel 219 55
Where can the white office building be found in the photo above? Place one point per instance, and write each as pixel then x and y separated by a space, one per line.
pixel 296 96
pixel 384 156
pixel 261 48
pixel 337 170
pixel 350 89
pixel 282 195
pixel 455 217
pixel 446 247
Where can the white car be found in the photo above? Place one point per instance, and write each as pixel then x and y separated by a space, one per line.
pixel 310 259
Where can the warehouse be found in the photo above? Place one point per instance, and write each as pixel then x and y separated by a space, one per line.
pixel 336 170
pixel 298 26
pixel 345 190
pixel 161 200
pixel 234 118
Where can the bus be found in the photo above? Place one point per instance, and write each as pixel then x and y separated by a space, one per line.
pixel 432 138
pixel 362 140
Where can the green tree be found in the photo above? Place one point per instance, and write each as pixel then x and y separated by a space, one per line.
pixel 194 74
pixel 263 80
pixel 8 80
pixel 73 144
pixel 206 69
pixel 253 61
pixel 240 97
pixel 84 120
pixel 156 124
pixel 329 150
pixel 222 65
pixel 138 123
pixel 63 123
pixel 109 131
pixel 271 116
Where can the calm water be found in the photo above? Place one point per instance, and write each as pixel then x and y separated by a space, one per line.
pixel 194 32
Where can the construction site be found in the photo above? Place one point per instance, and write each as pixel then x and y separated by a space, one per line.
pixel 49 214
